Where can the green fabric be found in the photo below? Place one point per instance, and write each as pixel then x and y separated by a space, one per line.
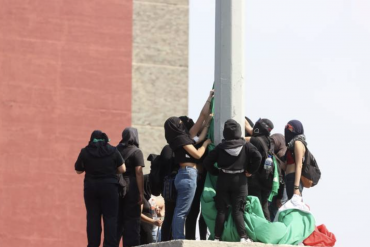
pixel 98 140
pixel 275 181
pixel 292 227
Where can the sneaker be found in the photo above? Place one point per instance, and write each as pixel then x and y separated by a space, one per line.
pixel 246 240
pixel 217 240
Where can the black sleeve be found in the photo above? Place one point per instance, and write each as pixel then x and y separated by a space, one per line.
pixel 210 160
pixel 118 159
pixel 256 143
pixel 79 165
pixel 254 158
pixel 139 158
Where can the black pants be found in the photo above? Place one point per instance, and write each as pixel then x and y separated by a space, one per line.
pixel 166 232
pixel 101 199
pixel 256 189
pixel 129 215
pixel 289 182
pixel 191 219
pixel 231 189
pixel 146 229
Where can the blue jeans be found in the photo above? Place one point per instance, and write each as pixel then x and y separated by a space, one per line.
pixel 186 184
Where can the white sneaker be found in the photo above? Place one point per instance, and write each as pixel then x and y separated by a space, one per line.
pixel 247 240
pixel 217 240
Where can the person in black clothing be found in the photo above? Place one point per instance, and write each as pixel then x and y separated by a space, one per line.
pixel 260 184
pixel 236 161
pixel 130 205
pixel 147 221
pixel 279 150
pixel 100 162
pixel 169 166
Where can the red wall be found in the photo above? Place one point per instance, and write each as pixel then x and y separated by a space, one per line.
pixel 65 70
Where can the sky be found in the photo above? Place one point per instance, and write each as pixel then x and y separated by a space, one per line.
pixel 305 60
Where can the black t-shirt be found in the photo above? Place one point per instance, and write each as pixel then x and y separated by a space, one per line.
pixel 134 160
pixel 182 156
pixel 99 168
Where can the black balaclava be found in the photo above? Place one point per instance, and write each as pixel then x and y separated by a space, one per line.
pixel 130 136
pixel 232 134
pixel 293 129
pixel 263 127
pixel 188 122
pixel 98 145
pixel 176 133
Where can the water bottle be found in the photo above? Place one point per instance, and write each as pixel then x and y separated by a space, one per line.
pixel 268 164
pixel 153 207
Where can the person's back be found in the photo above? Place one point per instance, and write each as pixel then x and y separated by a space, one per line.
pixel 260 184
pixel 100 161
pixel 130 205
pixel 236 161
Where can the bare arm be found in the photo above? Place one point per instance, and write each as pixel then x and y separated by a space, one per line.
pixel 299 151
pixel 247 139
pixel 149 220
pixel 121 169
pixel 248 128
pixel 197 153
pixel 204 132
pixel 206 110
pixel 140 182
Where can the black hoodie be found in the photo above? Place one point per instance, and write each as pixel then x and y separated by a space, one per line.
pixel 228 154
pixel 99 159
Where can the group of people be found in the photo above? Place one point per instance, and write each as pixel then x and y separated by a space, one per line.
pixel 116 190
pixel 241 170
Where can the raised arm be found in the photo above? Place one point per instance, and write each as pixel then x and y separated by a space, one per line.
pixel 248 128
pixel 204 132
pixel 197 153
pixel 206 110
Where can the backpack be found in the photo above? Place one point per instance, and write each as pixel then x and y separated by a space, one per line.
pixel 267 177
pixel 155 175
pixel 311 173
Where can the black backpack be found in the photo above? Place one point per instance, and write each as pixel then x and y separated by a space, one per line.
pixel 311 173
pixel 156 174
pixel 266 178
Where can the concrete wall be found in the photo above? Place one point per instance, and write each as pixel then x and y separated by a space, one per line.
pixel 65 70
pixel 160 68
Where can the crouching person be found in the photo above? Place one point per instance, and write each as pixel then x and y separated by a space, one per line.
pixel 236 160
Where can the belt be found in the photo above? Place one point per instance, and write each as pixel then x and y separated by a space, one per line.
pixel 232 171
pixel 184 167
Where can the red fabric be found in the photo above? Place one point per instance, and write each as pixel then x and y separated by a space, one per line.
pixel 289 158
pixel 320 237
